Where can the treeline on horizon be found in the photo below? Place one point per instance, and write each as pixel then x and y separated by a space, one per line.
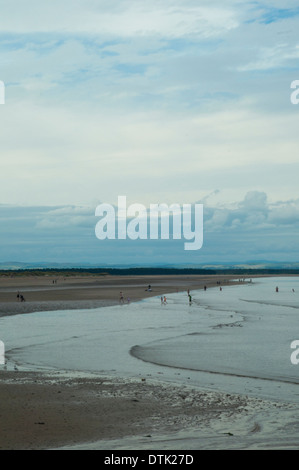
pixel 148 271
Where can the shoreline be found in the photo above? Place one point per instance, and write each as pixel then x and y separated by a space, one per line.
pixel 52 293
pixel 68 411
pixel 76 410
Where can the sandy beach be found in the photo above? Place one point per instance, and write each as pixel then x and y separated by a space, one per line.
pixel 58 292
pixel 59 409
pixel 34 416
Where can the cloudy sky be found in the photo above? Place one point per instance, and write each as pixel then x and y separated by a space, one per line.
pixel 169 101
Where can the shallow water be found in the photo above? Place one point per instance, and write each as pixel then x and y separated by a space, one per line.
pixel 243 331
pixel 235 340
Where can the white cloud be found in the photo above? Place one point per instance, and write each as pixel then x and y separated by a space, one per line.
pixel 56 155
pixel 146 99
pixel 273 57
pixel 120 19
pixel 256 201
pixel 285 212
pixel 253 214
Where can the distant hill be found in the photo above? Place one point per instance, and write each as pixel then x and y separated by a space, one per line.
pixel 247 268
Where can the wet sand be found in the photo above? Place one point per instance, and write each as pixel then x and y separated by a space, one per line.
pixel 60 411
pixel 50 410
pixel 48 292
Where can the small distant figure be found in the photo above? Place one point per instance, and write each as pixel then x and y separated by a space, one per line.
pixel 204 287
pixel 121 298
pixel 276 289
pixel 165 300
pixel 20 297
pixel 149 289
pixel 220 288
pixel 128 300
pixel 293 290
pixel 162 301
pixel 188 291
pixel 190 300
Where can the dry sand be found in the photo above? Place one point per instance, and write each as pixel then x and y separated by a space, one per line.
pixel 49 410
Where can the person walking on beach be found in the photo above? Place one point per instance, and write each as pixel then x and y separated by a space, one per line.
pixel 190 299
pixel 121 298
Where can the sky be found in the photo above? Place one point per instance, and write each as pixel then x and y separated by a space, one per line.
pixel 164 102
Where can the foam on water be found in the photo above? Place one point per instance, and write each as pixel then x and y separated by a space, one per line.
pixel 237 339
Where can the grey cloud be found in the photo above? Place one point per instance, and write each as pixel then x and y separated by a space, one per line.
pixel 285 213
pixel 66 217
pixel 253 213
pixel 251 229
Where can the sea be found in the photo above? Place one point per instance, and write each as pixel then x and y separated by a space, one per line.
pixel 234 338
